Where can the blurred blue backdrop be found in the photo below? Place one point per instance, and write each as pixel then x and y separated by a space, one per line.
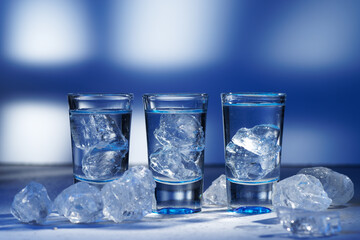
pixel 307 49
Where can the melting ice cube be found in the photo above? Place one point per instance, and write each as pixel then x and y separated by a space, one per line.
pixel 88 130
pixel 260 140
pixel 339 187
pixel 80 203
pixel 180 131
pixel 130 197
pixel 301 191
pixel 182 141
pixel 171 163
pixel 216 194
pixel 304 223
pixel 251 154
pixel 104 160
pixel 32 204
pixel 103 144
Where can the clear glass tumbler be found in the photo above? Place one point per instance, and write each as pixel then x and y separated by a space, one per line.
pixel 175 126
pixel 253 126
pixel 100 135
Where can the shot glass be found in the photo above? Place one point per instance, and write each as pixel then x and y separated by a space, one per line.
pixel 100 135
pixel 175 126
pixel 253 126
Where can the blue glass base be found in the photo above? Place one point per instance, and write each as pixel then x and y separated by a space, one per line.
pixel 244 194
pixel 96 183
pixel 252 210
pixel 173 211
pixel 178 198
pixel 80 179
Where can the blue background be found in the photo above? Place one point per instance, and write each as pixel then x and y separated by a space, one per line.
pixel 307 49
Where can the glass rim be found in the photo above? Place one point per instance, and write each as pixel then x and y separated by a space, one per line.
pixel 105 96
pixel 255 94
pixel 253 98
pixel 175 96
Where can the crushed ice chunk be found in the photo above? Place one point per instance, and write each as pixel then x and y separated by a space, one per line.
pixel 338 187
pixel 171 163
pixel 80 203
pixel 304 223
pixel 32 204
pixel 181 142
pixel 244 164
pixel 191 156
pixel 130 197
pixel 251 154
pixel 301 191
pixel 260 140
pixel 103 144
pixel 88 130
pixel 216 194
pixel 180 131
pixel 104 160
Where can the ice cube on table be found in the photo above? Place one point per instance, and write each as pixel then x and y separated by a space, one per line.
pixel 252 153
pixel 304 223
pixel 180 131
pixel 338 187
pixel 87 130
pixel 80 203
pixel 171 163
pixel 130 197
pixel 32 204
pixel 216 194
pixel 104 160
pixel 300 191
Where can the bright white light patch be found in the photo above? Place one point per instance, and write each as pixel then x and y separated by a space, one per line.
pixel 138 143
pixel 43 32
pixel 34 132
pixel 167 34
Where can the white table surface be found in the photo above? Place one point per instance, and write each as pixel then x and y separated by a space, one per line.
pixel 211 223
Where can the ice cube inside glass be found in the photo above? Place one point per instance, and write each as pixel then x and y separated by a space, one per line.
pixel 100 135
pixel 253 125
pixel 175 125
